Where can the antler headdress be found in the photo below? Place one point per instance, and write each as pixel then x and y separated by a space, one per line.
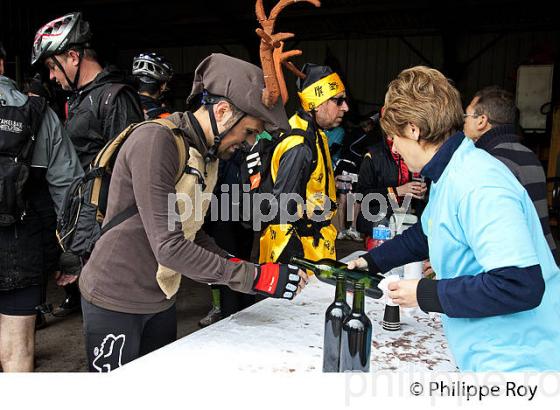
pixel 272 52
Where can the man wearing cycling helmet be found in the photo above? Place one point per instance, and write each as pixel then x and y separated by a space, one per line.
pixel 100 107
pixel 153 73
pixel 128 301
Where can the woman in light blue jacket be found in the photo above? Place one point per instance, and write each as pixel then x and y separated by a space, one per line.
pixel 497 284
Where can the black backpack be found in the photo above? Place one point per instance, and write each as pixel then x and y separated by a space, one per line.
pixel 18 129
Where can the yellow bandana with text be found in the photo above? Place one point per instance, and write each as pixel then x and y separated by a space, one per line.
pixel 320 91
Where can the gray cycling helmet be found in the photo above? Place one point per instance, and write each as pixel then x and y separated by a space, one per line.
pixel 152 68
pixel 59 35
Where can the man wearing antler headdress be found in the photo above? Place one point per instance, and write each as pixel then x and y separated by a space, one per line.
pixel 301 163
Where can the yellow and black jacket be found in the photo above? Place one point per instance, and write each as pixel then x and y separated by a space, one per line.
pixel 301 164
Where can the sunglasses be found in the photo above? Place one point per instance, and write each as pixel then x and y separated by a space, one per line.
pixel 338 100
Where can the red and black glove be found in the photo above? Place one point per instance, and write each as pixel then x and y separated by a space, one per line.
pixel 277 280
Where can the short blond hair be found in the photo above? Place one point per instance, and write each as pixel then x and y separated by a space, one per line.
pixel 425 97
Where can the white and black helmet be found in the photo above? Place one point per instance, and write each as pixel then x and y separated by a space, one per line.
pixel 151 68
pixel 59 35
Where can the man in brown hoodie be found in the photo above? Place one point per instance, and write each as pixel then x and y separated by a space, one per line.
pixel 128 301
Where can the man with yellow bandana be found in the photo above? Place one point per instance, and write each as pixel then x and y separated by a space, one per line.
pixel 301 164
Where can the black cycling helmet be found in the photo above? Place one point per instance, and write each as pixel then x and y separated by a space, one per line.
pixel 59 35
pixel 2 52
pixel 152 68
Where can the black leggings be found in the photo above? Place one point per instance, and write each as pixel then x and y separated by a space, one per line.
pixel 115 338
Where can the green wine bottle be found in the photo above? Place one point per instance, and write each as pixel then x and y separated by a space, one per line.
pixel 355 344
pixel 335 315
pixel 326 270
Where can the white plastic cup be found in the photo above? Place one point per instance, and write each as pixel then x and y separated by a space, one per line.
pixel 413 270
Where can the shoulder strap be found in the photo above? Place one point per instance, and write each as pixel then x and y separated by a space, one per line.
pixel 181 147
pixel 106 153
pixel 38 107
pixel 119 218
pixel 108 97
pixel 179 141
pixel 309 139
pixel 34 110
pixel 326 165
pixel 103 159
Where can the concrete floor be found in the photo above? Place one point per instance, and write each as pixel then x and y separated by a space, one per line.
pixel 60 346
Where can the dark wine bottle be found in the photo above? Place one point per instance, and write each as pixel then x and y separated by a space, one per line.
pixel 355 344
pixel 335 315
pixel 326 270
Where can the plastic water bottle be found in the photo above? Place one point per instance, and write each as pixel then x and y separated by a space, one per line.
pixel 380 234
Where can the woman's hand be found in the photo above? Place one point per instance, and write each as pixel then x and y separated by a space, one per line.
pixel 403 292
pixel 359 263
pixel 414 188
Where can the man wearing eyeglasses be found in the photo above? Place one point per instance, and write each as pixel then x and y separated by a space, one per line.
pixel 490 122
pixel 301 164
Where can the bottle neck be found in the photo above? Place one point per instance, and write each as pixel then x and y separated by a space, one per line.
pixel 359 299
pixel 303 263
pixel 340 295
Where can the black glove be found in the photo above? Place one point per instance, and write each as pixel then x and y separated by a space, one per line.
pixel 277 280
pixel 70 264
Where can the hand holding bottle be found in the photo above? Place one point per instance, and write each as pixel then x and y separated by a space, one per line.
pixel 279 280
pixel 359 263
pixel 326 270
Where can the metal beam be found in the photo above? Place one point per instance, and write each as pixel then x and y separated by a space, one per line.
pixel 416 51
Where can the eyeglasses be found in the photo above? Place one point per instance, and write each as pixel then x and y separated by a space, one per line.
pixel 338 100
pixel 470 115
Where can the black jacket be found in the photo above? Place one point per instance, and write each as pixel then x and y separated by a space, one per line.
pixel 378 172
pixel 99 111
